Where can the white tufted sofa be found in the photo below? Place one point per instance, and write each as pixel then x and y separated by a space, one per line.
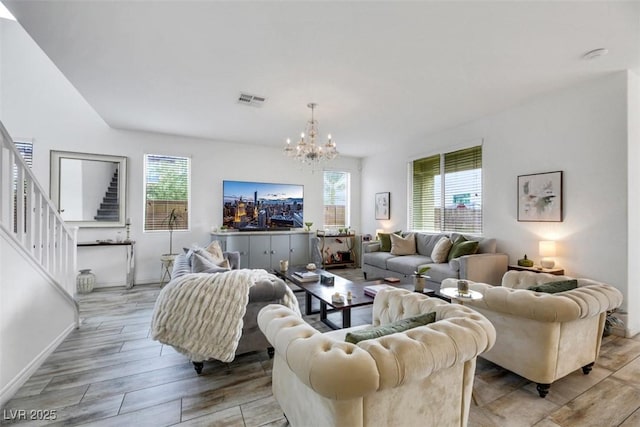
pixel 544 337
pixel 420 377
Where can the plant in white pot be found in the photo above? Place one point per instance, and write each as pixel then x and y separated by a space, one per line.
pixel 420 279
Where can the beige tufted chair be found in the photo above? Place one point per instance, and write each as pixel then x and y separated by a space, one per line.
pixel 420 377
pixel 544 337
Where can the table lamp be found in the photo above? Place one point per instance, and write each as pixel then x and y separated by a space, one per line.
pixel 547 249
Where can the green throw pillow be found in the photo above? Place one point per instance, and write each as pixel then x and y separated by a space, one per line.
pixel 391 328
pixel 553 287
pixel 462 247
pixel 385 240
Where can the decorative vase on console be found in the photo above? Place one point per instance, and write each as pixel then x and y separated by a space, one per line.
pixel 85 281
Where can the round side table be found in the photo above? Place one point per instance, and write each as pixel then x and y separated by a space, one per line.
pixel 166 261
pixel 460 298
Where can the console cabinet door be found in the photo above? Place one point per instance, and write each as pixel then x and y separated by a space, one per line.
pixel 239 244
pixel 279 249
pixel 260 252
pixel 299 249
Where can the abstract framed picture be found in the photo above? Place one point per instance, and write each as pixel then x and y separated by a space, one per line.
pixel 540 197
pixel 383 205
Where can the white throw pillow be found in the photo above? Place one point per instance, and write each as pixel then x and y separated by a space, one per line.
pixel 403 245
pixel 441 250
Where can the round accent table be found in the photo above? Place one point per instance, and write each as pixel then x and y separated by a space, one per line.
pixel 167 267
pixel 460 298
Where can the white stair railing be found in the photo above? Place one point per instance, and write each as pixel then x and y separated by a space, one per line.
pixel 32 220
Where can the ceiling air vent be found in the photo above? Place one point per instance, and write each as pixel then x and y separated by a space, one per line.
pixel 253 100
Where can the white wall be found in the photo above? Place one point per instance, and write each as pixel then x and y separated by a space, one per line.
pixel 43 105
pixel 30 306
pixel 633 126
pixel 581 131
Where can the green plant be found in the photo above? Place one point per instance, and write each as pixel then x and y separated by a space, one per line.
pixel 172 221
pixel 421 271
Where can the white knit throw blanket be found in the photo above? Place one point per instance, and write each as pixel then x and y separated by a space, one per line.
pixel 200 314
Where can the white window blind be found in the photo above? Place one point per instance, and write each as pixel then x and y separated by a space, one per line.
pixel 336 198
pixel 167 190
pixel 26 150
pixel 450 204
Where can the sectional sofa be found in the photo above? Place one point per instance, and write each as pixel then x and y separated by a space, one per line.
pixel 485 265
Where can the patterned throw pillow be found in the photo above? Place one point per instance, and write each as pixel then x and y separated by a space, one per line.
pixel 441 250
pixel 390 328
pixel 403 245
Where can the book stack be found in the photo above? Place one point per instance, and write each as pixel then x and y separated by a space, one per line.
pixel 372 290
pixel 306 276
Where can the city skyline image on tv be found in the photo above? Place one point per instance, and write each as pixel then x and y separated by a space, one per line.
pixel 249 205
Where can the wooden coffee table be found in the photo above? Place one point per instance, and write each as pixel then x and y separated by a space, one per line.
pixel 324 292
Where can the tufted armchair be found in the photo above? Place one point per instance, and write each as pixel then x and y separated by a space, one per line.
pixel 423 376
pixel 544 337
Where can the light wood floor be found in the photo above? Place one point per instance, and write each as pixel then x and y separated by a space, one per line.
pixel 110 373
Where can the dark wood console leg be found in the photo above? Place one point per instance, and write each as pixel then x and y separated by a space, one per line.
pixel 198 367
pixel 587 368
pixel 365 275
pixel 271 351
pixel 543 389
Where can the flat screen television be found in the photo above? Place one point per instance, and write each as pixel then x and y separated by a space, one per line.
pixel 261 206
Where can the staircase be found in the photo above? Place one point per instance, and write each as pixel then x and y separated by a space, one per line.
pixel 37 272
pixel 109 208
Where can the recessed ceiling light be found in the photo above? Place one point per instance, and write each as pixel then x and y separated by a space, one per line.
pixel 595 53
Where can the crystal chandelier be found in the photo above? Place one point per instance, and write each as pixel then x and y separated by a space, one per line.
pixel 307 151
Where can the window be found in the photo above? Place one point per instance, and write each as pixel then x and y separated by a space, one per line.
pixel 26 149
pixel 336 198
pixel 166 192
pixel 450 204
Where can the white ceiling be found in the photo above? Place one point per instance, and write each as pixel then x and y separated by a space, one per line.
pixel 382 73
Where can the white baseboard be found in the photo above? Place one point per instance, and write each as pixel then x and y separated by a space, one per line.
pixel 12 386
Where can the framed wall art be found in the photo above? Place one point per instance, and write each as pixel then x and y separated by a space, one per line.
pixel 540 197
pixel 383 205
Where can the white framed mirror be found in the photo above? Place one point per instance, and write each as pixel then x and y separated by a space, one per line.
pixel 89 189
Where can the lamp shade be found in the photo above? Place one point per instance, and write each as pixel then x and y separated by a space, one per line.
pixel 547 248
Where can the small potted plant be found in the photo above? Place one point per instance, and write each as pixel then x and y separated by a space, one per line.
pixel 419 279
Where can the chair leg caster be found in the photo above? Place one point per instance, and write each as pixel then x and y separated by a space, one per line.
pixel 543 389
pixel 271 351
pixel 587 368
pixel 198 367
